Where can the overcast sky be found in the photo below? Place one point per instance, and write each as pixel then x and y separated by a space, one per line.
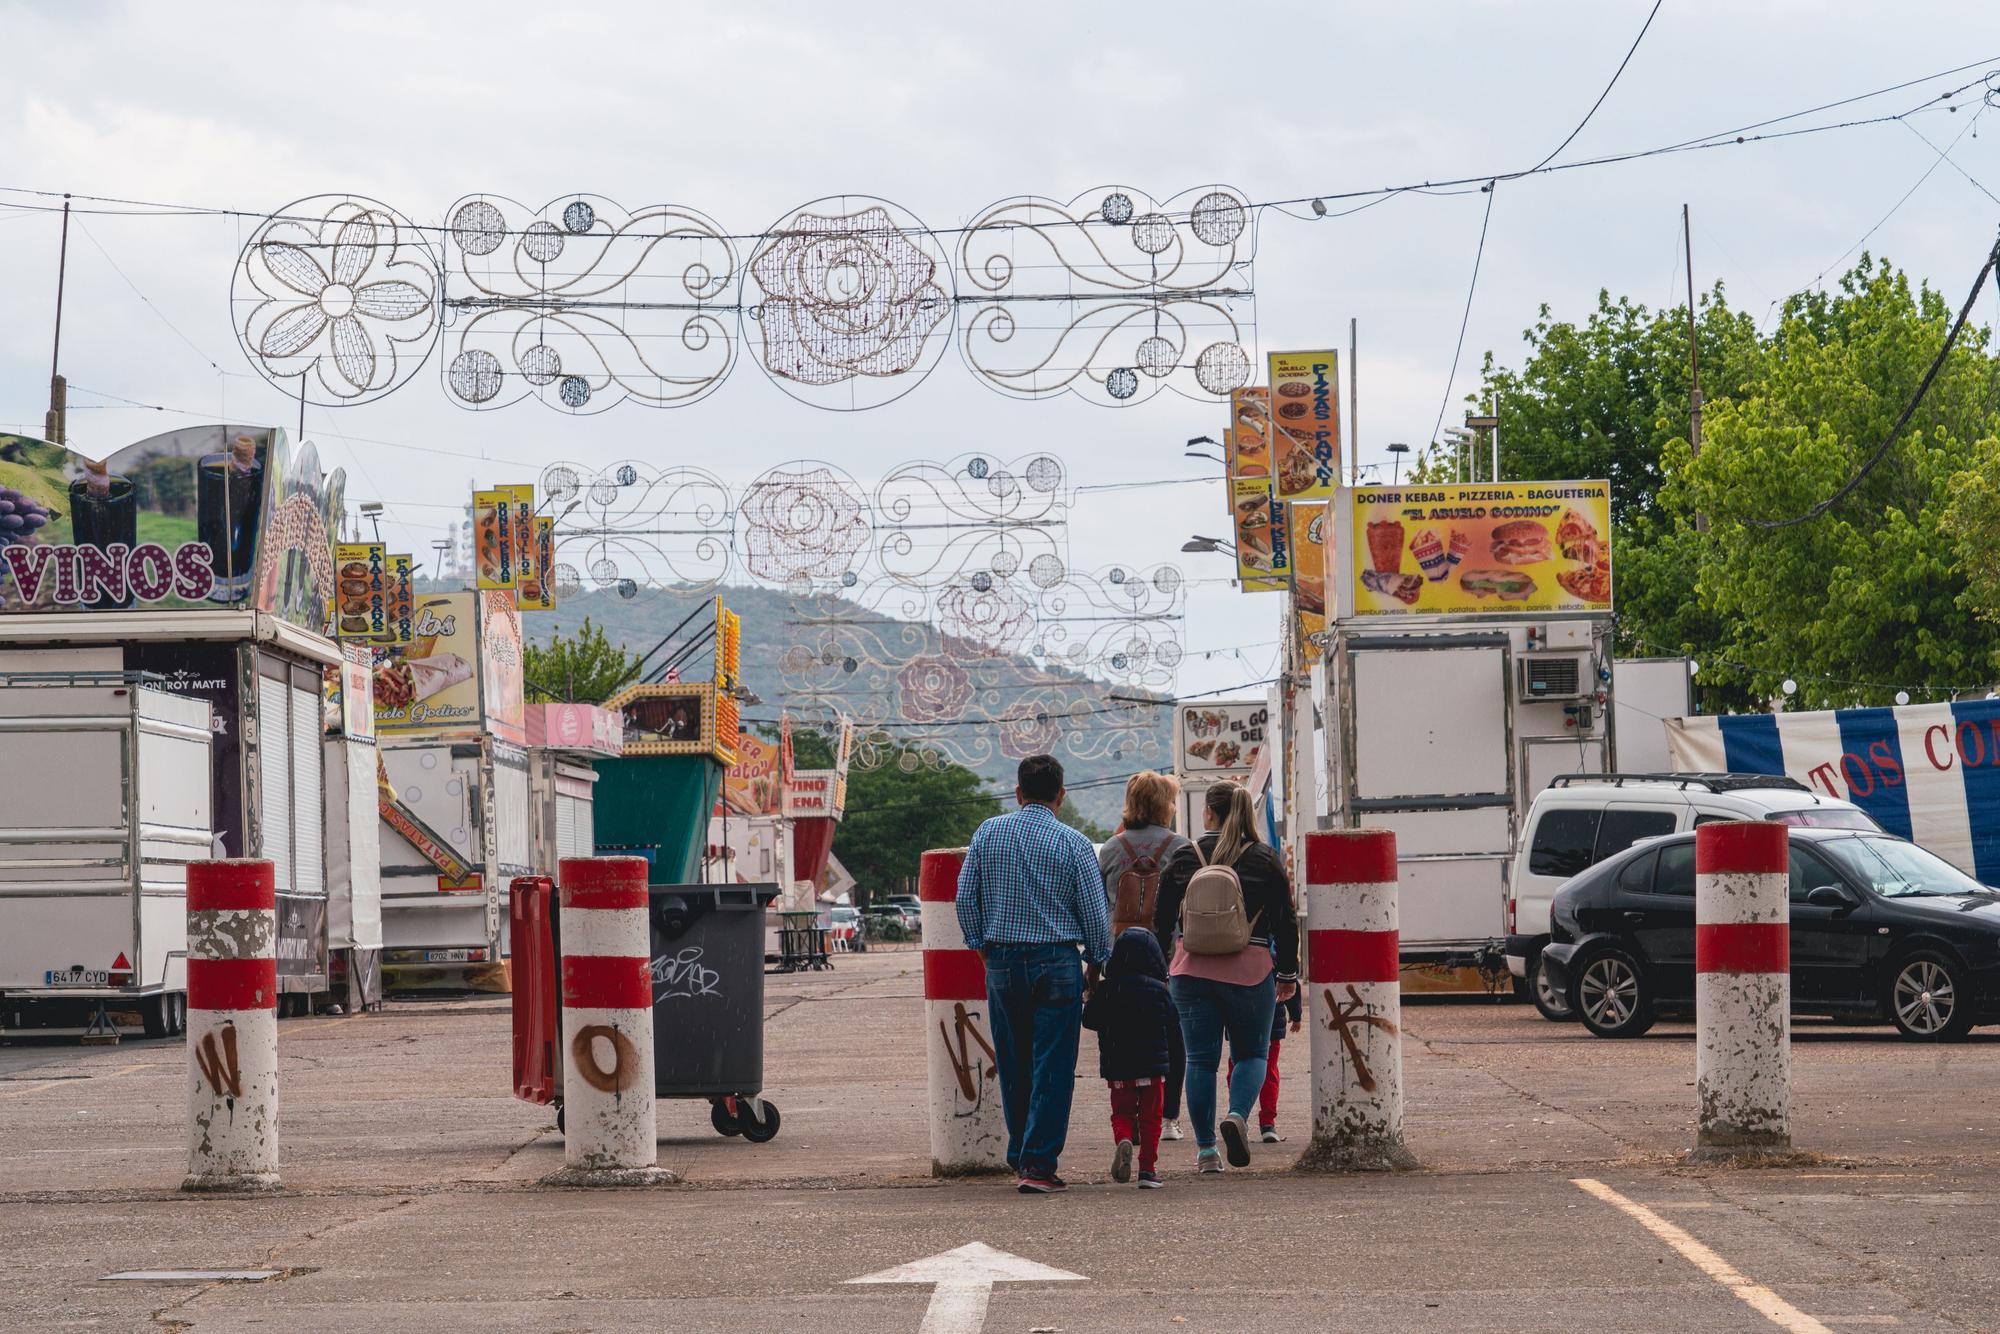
pixel 746 111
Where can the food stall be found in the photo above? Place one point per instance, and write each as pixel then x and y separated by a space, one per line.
pixel 655 800
pixel 564 743
pixel 203 559
pixel 451 726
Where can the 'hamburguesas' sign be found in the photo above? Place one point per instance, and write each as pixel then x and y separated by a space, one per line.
pixel 226 516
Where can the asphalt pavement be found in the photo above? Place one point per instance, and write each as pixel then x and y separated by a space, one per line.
pixel 1551 1193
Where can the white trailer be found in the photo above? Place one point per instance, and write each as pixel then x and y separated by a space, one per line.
pixel 109 801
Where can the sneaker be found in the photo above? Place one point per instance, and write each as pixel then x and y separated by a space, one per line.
pixel 1171 1129
pixel 1150 1181
pixel 1236 1140
pixel 1207 1160
pixel 1121 1161
pixel 1270 1135
pixel 1033 1183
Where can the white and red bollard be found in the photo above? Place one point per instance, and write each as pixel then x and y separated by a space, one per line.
pixel 1354 998
pixel 611 1136
pixel 232 1026
pixel 1742 987
pixel 968 1127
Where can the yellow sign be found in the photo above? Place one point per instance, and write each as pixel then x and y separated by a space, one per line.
pixel 493 548
pixel 752 786
pixel 539 593
pixel 1305 423
pixel 402 599
pixel 1263 546
pixel 1309 543
pixel 1481 548
pixel 361 590
pixel 430 687
pixel 527 569
pixel 728 646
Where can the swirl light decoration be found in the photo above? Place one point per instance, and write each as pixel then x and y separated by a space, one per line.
pixel 1127 294
pixel 846 302
pixel 584 305
pixel 335 299
pixel 633 524
pixel 936 521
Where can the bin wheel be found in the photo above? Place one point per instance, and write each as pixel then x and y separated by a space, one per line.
pixel 560 1130
pixel 723 1119
pixel 756 1129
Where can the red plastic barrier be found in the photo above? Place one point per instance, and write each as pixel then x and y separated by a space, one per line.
pixel 537 1021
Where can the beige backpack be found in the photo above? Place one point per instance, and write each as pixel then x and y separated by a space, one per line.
pixel 1213 920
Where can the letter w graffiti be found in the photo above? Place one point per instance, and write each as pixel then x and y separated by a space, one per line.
pixel 222 1073
pixel 960 1053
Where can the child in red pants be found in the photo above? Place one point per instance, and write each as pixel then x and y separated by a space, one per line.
pixel 1130 1012
pixel 1267 1097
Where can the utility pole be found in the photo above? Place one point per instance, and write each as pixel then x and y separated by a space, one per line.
pixel 56 426
pixel 1694 361
pixel 1353 401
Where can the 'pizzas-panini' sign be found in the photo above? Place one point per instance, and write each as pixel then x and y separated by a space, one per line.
pixel 1480 548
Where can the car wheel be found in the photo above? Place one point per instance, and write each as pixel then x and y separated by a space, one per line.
pixel 1611 995
pixel 1930 997
pixel 1552 1003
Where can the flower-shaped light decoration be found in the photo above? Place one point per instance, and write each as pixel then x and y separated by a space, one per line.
pixel 984 618
pixel 340 292
pixel 1030 727
pixel 802 524
pixel 848 297
pixel 932 689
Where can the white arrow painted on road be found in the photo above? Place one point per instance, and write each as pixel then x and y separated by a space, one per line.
pixel 964 1279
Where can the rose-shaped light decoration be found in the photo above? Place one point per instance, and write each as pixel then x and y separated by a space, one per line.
pixel 984 622
pixel 932 689
pixel 846 297
pixel 802 525
pixel 340 291
pixel 1029 727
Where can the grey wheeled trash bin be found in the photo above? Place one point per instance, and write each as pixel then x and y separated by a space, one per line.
pixel 708 1002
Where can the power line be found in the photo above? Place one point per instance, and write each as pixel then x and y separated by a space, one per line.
pixel 1465 319
pixel 1923 387
pixel 1607 87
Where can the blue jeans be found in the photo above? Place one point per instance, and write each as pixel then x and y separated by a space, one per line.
pixel 1208 1010
pixel 1035 996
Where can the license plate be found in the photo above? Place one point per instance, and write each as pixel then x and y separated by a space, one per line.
pixel 77 977
pixel 447 956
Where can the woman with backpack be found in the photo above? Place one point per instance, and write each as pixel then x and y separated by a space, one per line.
pixel 1133 861
pixel 1229 902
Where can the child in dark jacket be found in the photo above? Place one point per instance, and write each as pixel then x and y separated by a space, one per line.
pixel 1130 1011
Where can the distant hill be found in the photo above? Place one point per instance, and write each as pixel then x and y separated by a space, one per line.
pixel 1094 735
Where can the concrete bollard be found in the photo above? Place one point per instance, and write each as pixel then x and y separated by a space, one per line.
pixel 611 1137
pixel 1742 987
pixel 968 1127
pixel 232 1026
pixel 1354 998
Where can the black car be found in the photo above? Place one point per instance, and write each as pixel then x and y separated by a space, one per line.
pixel 1880 928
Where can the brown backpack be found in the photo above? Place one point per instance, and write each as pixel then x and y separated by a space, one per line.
pixel 1137 890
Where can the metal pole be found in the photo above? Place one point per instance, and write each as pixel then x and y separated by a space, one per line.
pixel 1493 410
pixel 1694 361
pixel 1353 401
pixel 57 425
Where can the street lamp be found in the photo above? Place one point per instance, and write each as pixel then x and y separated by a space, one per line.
pixel 1398 448
pixel 1199 544
pixel 371 510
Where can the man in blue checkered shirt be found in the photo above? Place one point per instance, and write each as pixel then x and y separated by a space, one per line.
pixel 1029 896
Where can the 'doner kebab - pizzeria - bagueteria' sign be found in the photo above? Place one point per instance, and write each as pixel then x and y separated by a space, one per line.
pixel 1479 548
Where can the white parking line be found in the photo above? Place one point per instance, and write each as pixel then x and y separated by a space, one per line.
pixel 1756 1296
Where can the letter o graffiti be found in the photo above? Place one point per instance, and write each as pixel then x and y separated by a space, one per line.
pixel 1978 755
pixel 1848 764
pixel 624 1058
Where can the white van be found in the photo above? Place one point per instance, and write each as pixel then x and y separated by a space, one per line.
pixel 1581 819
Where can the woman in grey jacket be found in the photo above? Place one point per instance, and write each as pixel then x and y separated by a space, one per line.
pixel 1133 861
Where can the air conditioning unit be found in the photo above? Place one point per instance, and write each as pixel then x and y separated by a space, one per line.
pixel 1556 676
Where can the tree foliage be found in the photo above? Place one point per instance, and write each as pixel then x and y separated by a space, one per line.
pixel 1897 586
pixel 584 668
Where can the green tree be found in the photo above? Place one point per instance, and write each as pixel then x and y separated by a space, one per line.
pixel 584 668
pixel 1877 592
pixel 1078 821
